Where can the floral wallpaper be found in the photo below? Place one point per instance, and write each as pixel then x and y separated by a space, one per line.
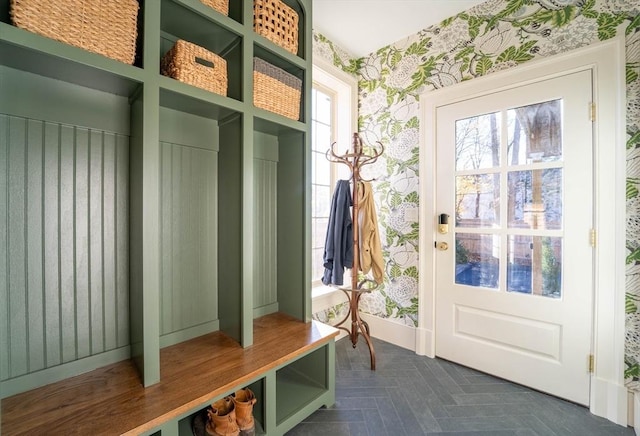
pixel 492 36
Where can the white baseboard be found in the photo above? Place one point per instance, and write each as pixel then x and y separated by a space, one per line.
pixel 636 412
pixel 381 328
pixel 631 408
pixel 392 332
pixel 609 400
pixel 425 344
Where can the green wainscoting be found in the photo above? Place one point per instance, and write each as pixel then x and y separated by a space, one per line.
pixel 65 209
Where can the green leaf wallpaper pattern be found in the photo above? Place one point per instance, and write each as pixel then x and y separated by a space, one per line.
pixel 492 36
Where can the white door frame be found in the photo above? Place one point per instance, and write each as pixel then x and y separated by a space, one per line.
pixel 606 60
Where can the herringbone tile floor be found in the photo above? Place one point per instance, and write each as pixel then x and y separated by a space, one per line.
pixel 414 395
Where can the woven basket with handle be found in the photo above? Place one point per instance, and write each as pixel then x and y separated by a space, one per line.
pixel 277 22
pixel 195 65
pixel 276 90
pixel 107 27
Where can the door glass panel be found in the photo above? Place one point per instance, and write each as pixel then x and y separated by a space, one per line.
pixel 477 260
pixel 535 133
pixel 534 199
pixel 478 200
pixel 534 265
pixel 478 142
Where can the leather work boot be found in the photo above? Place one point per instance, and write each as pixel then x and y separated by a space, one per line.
pixel 222 418
pixel 244 400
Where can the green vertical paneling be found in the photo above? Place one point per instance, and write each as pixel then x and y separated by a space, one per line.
pixel 16 303
pixel 265 292
pixel 67 239
pixel 188 220
pixel 166 239
pixel 265 233
pixel 35 219
pixel 96 306
pixel 188 225
pixel 81 249
pixel 107 209
pixel 121 251
pixel 62 280
pixel 51 245
pixel 4 241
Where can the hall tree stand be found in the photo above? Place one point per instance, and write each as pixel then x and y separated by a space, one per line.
pixel 355 159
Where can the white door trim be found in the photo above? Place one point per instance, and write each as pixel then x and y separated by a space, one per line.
pixel 607 62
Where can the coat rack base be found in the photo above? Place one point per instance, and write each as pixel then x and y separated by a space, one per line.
pixel 359 327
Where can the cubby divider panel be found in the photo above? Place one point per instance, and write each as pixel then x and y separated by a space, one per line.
pixel 230 264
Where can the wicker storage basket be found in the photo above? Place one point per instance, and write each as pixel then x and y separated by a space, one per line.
pixel 107 27
pixel 221 6
pixel 197 66
pixel 276 90
pixel 277 22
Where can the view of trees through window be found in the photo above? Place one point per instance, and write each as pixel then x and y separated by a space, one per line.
pixel 520 182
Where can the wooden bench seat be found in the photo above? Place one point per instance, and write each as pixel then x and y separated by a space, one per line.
pixel 112 400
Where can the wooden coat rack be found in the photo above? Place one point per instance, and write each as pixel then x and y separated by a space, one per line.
pixel 355 159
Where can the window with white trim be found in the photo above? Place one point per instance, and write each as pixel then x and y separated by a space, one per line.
pixel 322 180
pixel 333 117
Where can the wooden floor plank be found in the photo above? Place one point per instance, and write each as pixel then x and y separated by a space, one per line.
pixel 192 373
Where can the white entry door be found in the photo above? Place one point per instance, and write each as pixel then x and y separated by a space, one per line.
pixel 514 283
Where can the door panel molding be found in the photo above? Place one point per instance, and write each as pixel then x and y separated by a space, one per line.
pixel 608 397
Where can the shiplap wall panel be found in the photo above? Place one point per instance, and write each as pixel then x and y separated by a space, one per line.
pixel 64 268
pixel 96 250
pixel 265 289
pixel 122 240
pixel 81 250
pixel 16 249
pixel 188 242
pixel 108 209
pixel 35 300
pixel 51 248
pixel 67 243
pixel 4 242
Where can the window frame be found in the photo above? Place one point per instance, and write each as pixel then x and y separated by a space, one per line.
pixel 343 88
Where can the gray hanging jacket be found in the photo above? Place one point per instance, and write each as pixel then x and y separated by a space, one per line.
pixel 338 245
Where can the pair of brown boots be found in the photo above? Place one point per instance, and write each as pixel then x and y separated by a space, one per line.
pixel 233 415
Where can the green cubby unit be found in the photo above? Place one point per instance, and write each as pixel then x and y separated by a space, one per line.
pixel 144 213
